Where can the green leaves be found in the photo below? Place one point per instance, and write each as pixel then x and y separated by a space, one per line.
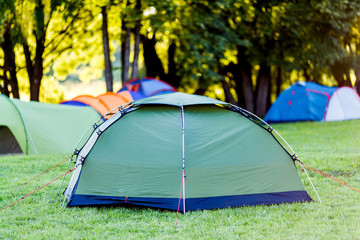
pixel 295 35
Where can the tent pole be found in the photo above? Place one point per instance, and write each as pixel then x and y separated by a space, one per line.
pixel 183 155
pixel 304 169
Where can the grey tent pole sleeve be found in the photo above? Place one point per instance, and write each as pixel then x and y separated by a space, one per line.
pixel 183 155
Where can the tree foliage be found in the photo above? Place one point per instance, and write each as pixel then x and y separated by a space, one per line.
pixel 249 49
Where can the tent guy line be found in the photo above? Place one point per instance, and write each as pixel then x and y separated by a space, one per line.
pixel 56 165
pixel 329 176
pixel 27 195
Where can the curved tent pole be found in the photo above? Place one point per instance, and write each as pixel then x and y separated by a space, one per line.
pixel 303 168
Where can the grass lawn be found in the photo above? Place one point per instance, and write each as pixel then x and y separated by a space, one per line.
pixel 333 148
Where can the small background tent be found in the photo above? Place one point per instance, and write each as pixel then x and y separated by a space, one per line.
pixel 147 87
pixel 36 128
pixel 307 101
pixel 103 103
pixel 141 155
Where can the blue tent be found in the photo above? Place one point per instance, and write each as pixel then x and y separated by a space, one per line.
pixel 303 101
pixel 147 87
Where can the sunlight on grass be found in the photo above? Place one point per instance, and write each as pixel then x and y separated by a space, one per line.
pixel 331 147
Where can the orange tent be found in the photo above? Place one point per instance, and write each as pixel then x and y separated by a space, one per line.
pixel 112 100
pixel 103 103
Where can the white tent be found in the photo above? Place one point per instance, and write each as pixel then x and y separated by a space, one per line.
pixel 344 104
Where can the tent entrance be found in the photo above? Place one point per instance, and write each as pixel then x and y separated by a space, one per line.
pixel 8 143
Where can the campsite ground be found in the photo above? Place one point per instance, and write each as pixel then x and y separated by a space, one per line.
pixel 332 147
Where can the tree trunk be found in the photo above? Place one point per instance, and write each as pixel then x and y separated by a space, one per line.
pixel 135 64
pixel 108 68
pixel 278 81
pixel 348 79
pixel 172 78
pixel 247 88
pixel 339 79
pixel 28 61
pixel 262 89
pixel 244 86
pixel 338 70
pixel 306 75
pixel 34 66
pixel 125 56
pixel 35 71
pixel 236 76
pixel 357 74
pixel 4 88
pixel 125 50
pixel 270 89
pixel 228 96
pixel 38 70
pixel 357 85
pixel 9 65
pixel 154 67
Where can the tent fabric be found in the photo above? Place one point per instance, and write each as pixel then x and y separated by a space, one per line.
pixel 135 157
pixel 8 143
pixel 41 128
pixel 135 95
pixel 343 105
pixel 88 100
pixel 148 87
pixel 308 101
pixel 113 100
pixel 103 103
pixel 14 121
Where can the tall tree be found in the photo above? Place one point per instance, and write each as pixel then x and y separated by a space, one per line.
pixel 8 78
pixel 157 21
pixel 125 45
pixel 108 68
pixel 34 64
pixel 135 63
pixel 34 39
pixel 321 29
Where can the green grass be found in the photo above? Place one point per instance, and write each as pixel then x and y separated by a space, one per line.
pixel 334 148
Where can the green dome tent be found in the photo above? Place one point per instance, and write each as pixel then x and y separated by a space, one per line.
pixel 37 128
pixel 214 154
